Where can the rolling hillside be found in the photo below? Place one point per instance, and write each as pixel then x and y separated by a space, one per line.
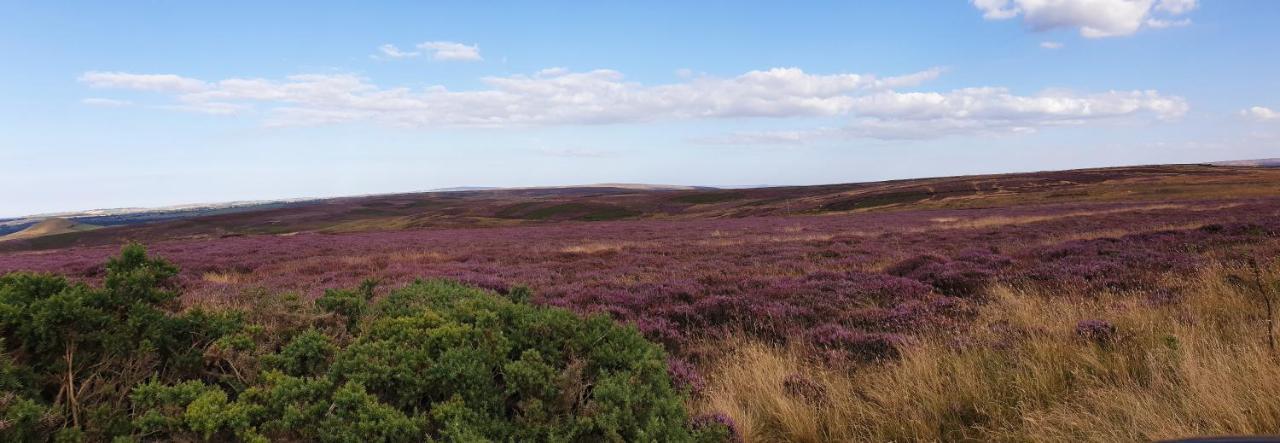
pixel 52 226
pixel 533 206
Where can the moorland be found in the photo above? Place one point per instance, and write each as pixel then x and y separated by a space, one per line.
pixel 1112 304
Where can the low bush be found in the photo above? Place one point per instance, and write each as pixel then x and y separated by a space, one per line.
pixel 433 360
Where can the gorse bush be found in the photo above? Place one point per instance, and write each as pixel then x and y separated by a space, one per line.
pixel 77 351
pixel 434 360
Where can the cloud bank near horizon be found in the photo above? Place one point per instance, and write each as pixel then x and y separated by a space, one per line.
pixel 875 106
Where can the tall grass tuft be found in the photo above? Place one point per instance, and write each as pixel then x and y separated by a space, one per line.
pixel 1034 366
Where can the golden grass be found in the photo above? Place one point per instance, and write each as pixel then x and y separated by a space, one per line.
pixel 1004 220
pixel 223 278
pixel 1199 367
pixel 595 248
pixel 417 256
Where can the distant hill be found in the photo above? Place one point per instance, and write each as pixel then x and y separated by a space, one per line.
pixel 133 216
pixel 481 208
pixel 1262 162
pixel 52 226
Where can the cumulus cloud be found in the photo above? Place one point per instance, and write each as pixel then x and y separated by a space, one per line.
pixel 451 51
pixel 392 52
pixel 106 102
pixel 998 104
pixel 1176 7
pixel 891 115
pixel 1161 24
pixel 550 96
pixel 1260 113
pixel 142 82
pixel 437 50
pixel 880 107
pixel 1093 18
pixel 1051 45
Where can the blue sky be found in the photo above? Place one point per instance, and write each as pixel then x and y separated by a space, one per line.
pixel 118 104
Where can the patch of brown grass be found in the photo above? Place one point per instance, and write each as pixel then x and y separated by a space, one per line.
pixel 1198 367
pixel 1004 220
pixel 595 248
pixel 223 278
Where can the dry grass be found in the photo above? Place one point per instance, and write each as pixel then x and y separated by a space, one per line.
pixel 1198 367
pixel 595 248
pixel 417 256
pixel 223 278
pixel 1001 220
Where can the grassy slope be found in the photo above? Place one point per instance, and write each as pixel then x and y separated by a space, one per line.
pixel 539 206
pixel 53 226
pixel 1023 372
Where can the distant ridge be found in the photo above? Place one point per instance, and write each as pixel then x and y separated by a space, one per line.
pixel 137 215
pixel 49 226
pixel 464 189
pixel 633 186
pixel 1261 163
pixel 606 202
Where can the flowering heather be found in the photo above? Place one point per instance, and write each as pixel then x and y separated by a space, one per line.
pixel 871 275
pixel 857 345
pixel 1099 331
pixel 804 387
pixel 685 376
pixel 718 419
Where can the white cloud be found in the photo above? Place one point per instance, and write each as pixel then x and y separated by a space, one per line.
pixel 1260 113
pixel 451 51
pixel 877 106
pixel 908 80
pixel 1177 7
pixel 1051 45
pixel 551 96
pixel 996 9
pixel 893 115
pixel 106 102
pixel 1093 18
pixel 1161 24
pixel 143 82
pixel 998 104
pixel 391 51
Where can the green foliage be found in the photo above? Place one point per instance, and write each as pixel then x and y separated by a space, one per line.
pixel 351 305
pixel 432 361
pixel 308 354
pixel 438 360
pixel 25 419
pixel 79 350
pixel 519 294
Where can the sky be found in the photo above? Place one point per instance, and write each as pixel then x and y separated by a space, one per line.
pixel 142 104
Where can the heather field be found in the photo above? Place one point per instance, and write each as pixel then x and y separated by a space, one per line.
pixel 990 315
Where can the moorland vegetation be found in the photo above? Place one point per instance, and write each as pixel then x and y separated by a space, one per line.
pixel 1109 305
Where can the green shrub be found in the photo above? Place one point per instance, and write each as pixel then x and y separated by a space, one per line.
pixel 435 360
pixel 438 360
pixel 309 354
pixel 84 348
pixel 351 305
